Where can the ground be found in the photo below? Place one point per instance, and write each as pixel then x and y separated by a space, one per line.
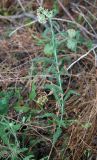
pixel 48 80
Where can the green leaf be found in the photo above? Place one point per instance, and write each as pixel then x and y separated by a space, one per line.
pixel 15 127
pixel 3 105
pixel 89 44
pixel 72 44
pixel 32 94
pixel 66 123
pixel 56 91
pixel 45 34
pixel 18 94
pixel 57 135
pixel 87 125
pixel 28 157
pixel 44 158
pixel 47 115
pixel 69 93
pixel 3 135
pixel 55 8
pixel 25 108
pixel 48 49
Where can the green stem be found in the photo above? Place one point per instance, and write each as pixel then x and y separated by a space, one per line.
pixel 57 67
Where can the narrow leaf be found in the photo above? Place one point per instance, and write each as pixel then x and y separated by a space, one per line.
pixel 57 135
pixel 32 94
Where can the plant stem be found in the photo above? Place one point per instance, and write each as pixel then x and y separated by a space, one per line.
pixel 57 67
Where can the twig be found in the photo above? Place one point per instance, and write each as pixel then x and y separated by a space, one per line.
pixel 20 3
pixel 78 25
pixel 91 4
pixel 95 58
pixel 12 17
pixel 30 15
pixel 38 2
pixel 41 2
pixel 74 21
pixel 85 17
pixel 28 24
pixel 72 64
pixel 65 10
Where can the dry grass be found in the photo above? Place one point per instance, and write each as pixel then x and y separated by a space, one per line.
pixel 84 109
pixel 16 54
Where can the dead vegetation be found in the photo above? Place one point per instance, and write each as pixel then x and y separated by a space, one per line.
pixel 16 55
